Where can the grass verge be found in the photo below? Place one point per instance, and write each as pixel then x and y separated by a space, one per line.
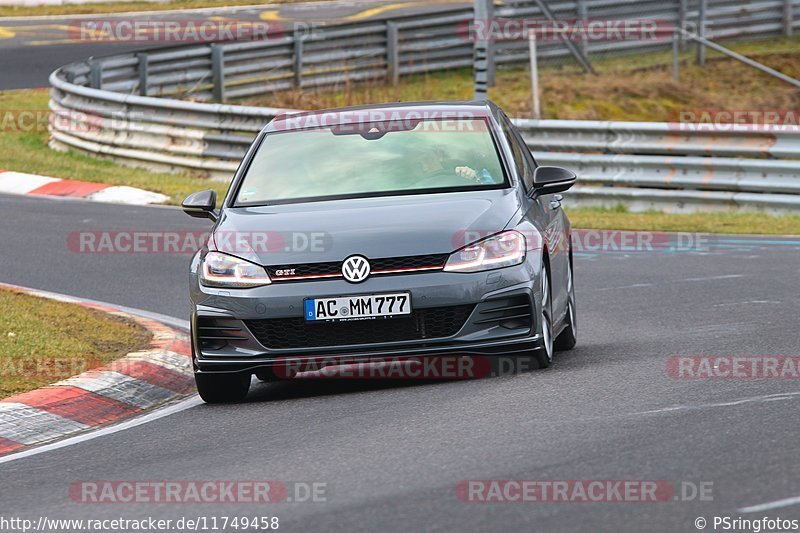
pixel 630 87
pixel 721 222
pixel 43 341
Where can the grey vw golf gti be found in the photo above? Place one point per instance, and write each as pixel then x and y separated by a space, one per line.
pixel 367 233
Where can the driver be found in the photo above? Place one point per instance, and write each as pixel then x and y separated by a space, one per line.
pixel 431 163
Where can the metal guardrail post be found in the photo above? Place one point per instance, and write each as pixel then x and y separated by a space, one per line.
pixel 788 18
pixel 481 52
pixel 682 23
pixel 392 53
pixel 676 41
pixel 142 68
pixel 583 16
pixel 298 60
pixel 218 71
pixel 490 47
pixel 481 74
pixel 95 74
pixel 701 31
pixel 537 106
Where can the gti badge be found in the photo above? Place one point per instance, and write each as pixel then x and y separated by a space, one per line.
pixel 355 268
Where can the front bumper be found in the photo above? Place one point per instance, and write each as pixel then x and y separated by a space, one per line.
pixel 223 342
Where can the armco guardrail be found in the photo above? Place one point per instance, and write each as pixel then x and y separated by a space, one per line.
pixel 384 50
pixel 116 107
pixel 673 138
pixel 210 139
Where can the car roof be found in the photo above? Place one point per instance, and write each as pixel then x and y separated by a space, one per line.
pixel 291 120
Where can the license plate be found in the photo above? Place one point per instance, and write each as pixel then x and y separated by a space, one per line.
pixel 358 307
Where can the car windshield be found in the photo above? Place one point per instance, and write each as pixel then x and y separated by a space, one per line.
pixel 372 159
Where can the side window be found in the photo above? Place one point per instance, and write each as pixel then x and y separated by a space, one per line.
pixel 522 157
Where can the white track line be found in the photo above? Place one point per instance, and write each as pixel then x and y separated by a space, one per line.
pixel 183 405
pixel 770 505
pixel 634 286
pixel 710 278
pixel 742 401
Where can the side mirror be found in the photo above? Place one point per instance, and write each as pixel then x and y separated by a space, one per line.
pixel 549 180
pixel 201 205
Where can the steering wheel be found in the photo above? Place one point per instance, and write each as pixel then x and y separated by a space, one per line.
pixel 442 177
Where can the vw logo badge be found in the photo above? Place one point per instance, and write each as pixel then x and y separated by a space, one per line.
pixel 355 268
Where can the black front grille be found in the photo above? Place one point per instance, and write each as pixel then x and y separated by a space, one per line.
pixel 334 268
pixel 417 261
pixel 510 312
pixel 215 333
pixel 431 323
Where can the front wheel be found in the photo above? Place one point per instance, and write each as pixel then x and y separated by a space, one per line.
pixel 569 335
pixel 222 388
pixel 544 355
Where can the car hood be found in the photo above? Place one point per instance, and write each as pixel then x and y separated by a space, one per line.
pixel 374 227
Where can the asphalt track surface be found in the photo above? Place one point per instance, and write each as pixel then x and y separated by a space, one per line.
pixel 392 453
pixel 32 48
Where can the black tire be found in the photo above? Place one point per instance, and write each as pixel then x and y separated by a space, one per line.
pixel 544 356
pixel 568 337
pixel 222 388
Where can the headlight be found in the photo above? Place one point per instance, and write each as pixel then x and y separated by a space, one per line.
pixel 222 270
pixel 501 250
